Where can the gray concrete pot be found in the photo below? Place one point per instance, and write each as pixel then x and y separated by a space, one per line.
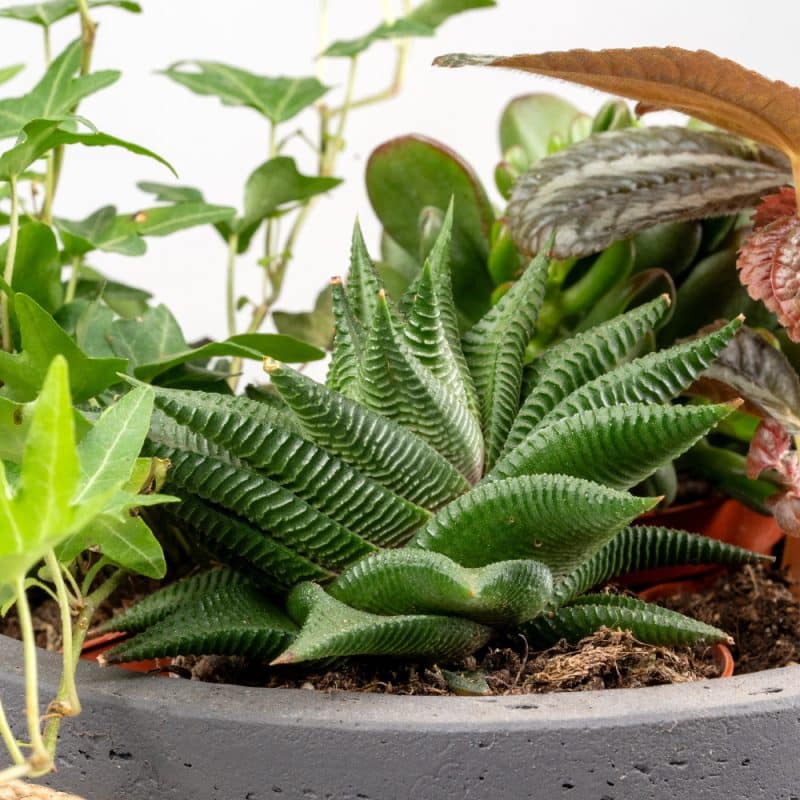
pixel 147 738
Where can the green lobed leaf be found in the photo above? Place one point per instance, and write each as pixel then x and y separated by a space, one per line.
pixel 618 446
pixel 314 327
pixel 648 623
pixel 45 14
pixel 411 581
pixel 495 350
pixel 564 367
pixel 399 29
pixel 557 520
pixel 37 265
pixel 639 177
pixel 42 338
pixel 236 619
pixel 278 99
pixel 330 628
pixel 377 447
pixel 275 184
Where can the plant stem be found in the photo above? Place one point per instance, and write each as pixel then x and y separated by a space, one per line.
pixel 71 705
pixel 48 57
pixel 73 279
pixel 230 285
pixel 11 253
pixel 88 31
pixel 40 760
pixel 7 735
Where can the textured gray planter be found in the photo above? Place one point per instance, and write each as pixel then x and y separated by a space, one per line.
pixel 147 738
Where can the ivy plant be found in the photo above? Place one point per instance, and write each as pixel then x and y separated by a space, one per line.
pixel 415 505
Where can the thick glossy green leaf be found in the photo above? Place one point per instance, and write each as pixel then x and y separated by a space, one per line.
pixel 330 628
pixel 278 99
pixel 235 619
pixel 377 447
pixel 618 446
pixel 648 623
pixel 672 246
pixel 411 581
pixel 163 602
pixel 314 327
pixel 275 184
pixel 232 540
pixel 563 368
pixel 495 350
pixel 37 266
pixel 45 14
pixel 532 120
pixel 394 384
pixel 23 373
pixel 639 177
pixel 410 173
pixel 554 519
pixel 225 481
pixel 642 547
pixel 253 432
pixel 55 95
pixel 654 378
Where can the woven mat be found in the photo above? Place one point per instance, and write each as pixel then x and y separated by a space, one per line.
pixel 17 790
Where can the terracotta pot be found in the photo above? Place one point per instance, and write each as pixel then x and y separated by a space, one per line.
pixel 94 648
pixel 718 518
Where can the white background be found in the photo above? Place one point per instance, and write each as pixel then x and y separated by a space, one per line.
pixel 215 147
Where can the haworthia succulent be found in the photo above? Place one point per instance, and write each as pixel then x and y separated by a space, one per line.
pixel 393 383
pixel 423 582
pixel 558 520
pixel 562 369
pixel 648 623
pixel 363 283
pixel 348 345
pixel 618 446
pixel 643 547
pixel 495 351
pixel 320 478
pixel 618 183
pixel 330 628
pixel 376 446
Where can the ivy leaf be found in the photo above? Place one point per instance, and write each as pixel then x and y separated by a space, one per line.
pixel 435 12
pixel 276 183
pixel 37 266
pixel 95 232
pixel 165 193
pixel 55 95
pixel 314 327
pixel 753 369
pixel 278 99
pixel 7 73
pixel 154 336
pixel 399 29
pixel 42 135
pixel 715 90
pixel 42 339
pixel 45 14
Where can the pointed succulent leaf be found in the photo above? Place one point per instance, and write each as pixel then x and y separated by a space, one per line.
pixel 363 283
pixel 648 623
pixel 616 184
pixel 565 367
pixel 267 505
pixel 644 547
pixel 377 447
pixel 234 541
pixel 654 378
pixel 331 628
pixel 495 349
pixel 618 446
pixel 165 601
pixel 253 432
pixel 409 581
pixel 394 384
pixel 558 520
pixel 235 619
pixel 348 344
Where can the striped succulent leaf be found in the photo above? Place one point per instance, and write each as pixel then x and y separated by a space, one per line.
pixel 614 184
pixel 434 506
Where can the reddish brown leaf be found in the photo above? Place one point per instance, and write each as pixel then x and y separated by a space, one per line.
pixel 698 83
pixel 775 206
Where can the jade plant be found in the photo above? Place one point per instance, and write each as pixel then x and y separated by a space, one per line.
pixel 69 493
pixel 417 503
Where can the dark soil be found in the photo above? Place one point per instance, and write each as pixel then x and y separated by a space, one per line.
pixel 756 606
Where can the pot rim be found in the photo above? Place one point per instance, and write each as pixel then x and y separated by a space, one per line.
pixel 303 708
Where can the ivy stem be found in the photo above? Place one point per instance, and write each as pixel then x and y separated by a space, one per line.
pixel 74 274
pixel 48 50
pixel 71 705
pixel 9 740
pixel 11 254
pixel 230 283
pixel 88 31
pixel 40 759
